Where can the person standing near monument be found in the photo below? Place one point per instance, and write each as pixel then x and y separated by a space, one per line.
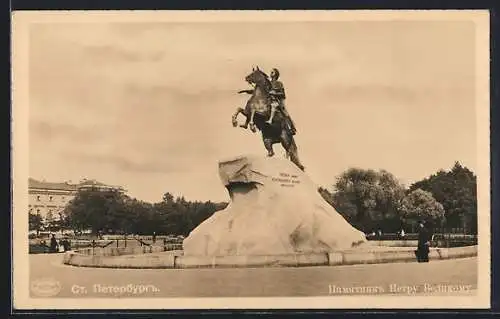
pixel 66 244
pixel 422 251
pixel 54 246
pixel 278 97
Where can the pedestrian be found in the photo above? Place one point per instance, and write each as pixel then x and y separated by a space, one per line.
pixel 402 233
pixel 54 246
pixel 422 252
pixel 154 237
pixel 66 245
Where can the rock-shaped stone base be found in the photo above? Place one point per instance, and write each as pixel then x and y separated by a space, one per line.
pixel 275 209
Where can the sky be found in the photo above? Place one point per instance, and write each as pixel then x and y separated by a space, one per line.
pixel 148 105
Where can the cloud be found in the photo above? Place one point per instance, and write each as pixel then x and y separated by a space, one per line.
pixel 126 164
pixel 110 53
pixel 50 131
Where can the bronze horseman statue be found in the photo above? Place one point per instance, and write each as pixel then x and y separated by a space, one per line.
pixel 265 110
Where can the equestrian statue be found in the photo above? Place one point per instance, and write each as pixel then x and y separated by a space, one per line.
pixel 265 111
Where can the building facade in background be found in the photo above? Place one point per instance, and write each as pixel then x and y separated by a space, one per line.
pixel 48 199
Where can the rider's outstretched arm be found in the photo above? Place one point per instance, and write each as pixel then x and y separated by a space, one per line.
pixel 246 91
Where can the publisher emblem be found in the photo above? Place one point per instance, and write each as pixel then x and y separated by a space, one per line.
pixel 46 287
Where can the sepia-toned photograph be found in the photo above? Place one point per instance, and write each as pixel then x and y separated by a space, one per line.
pixel 259 159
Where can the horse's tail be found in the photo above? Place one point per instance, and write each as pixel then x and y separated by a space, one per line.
pixel 293 155
pixel 292 149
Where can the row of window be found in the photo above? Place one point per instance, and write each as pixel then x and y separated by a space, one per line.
pixel 47 206
pixel 38 211
pixel 50 198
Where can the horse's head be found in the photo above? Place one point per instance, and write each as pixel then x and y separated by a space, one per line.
pixel 258 78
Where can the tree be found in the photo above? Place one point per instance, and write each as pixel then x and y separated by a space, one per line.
pixel 139 217
pixel 368 199
pixel 421 205
pixel 111 211
pixel 50 220
pixel 178 216
pixel 456 191
pixel 98 210
pixel 168 198
pixel 341 203
pixel 35 222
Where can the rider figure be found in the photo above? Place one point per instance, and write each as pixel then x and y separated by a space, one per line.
pixel 278 100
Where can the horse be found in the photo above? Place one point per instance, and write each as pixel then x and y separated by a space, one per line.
pixel 257 112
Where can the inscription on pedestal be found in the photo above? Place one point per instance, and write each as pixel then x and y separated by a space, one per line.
pixel 286 180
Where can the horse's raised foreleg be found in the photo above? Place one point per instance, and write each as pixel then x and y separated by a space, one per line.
pixel 247 120
pixel 235 116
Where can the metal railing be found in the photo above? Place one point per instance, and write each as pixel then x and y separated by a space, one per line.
pixel 438 239
pixel 163 243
